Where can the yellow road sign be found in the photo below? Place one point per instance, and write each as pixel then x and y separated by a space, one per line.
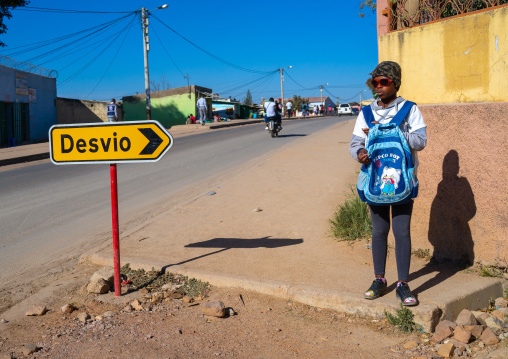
pixel 108 142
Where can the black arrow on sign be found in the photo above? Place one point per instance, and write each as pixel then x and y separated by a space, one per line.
pixel 154 139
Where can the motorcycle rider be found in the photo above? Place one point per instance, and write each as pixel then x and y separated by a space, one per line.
pixel 272 112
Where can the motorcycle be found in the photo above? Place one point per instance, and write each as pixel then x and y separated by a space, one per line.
pixel 273 127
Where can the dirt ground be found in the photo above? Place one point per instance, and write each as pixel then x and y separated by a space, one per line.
pixel 263 327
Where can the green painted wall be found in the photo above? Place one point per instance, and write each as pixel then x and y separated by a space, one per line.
pixel 169 110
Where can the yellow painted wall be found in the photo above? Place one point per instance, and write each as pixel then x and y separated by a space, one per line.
pixel 463 59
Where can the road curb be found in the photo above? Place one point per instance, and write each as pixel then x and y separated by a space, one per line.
pixel 28 158
pixel 426 315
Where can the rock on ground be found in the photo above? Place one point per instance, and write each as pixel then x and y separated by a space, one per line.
pixel 461 334
pixel 501 302
pixel 83 317
pixel 466 318
pixel 410 344
pixel 446 350
pixel 480 317
pixel 494 324
pixel 98 286
pixel 443 324
pixel 106 273
pixel 136 305
pixel 489 337
pixel 29 349
pixel 67 309
pixel 36 310
pixel 476 330
pixel 214 308
pixel 443 333
pixel 501 314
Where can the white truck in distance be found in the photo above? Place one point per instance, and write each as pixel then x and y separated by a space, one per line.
pixel 344 109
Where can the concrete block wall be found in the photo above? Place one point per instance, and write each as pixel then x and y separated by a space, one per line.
pixel 83 111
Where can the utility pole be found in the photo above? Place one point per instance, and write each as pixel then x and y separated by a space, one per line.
pixel 282 89
pixel 146 48
pixel 322 95
pixel 188 86
pixel 360 99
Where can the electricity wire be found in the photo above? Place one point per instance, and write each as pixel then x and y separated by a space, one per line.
pixel 236 88
pixel 37 45
pixel 64 11
pixel 262 82
pixel 77 73
pixel 76 42
pixel 331 94
pixel 114 57
pixel 167 53
pixel 80 47
pixel 209 53
pixel 292 79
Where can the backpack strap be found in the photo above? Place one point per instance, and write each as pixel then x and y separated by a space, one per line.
pixel 402 114
pixel 368 115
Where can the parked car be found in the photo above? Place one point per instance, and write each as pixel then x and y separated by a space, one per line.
pixel 355 111
pixel 344 109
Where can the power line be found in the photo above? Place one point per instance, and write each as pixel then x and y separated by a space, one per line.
pixel 264 81
pixel 167 53
pixel 37 45
pixel 77 73
pixel 331 94
pixel 114 57
pixel 64 11
pixel 236 88
pixel 288 75
pixel 80 47
pixel 76 42
pixel 209 53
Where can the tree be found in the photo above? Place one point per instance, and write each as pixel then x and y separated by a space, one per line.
pixel 5 11
pixel 369 4
pixel 159 85
pixel 298 101
pixel 248 98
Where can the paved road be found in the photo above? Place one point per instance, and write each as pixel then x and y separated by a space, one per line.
pixel 51 214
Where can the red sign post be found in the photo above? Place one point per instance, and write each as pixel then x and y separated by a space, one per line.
pixel 116 229
pixel 114 142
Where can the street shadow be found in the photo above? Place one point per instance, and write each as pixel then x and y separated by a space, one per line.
pixel 229 243
pixel 295 135
pixel 449 232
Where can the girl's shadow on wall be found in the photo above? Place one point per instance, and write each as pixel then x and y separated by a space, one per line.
pixel 449 233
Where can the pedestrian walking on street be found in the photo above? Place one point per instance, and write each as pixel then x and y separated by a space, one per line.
pixel 289 106
pixel 322 109
pixel 386 81
pixel 111 111
pixel 202 109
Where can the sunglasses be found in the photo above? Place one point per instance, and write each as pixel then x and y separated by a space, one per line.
pixel 382 82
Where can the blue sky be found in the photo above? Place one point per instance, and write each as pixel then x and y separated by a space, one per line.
pixel 325 42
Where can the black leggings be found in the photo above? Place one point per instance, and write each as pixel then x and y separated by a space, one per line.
pixel 401 217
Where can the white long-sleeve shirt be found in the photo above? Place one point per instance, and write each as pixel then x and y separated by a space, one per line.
pixel 202 103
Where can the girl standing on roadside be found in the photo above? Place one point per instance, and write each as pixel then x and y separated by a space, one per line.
pixel 386 80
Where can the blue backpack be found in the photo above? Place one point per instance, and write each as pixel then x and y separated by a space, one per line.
pixel 389 179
